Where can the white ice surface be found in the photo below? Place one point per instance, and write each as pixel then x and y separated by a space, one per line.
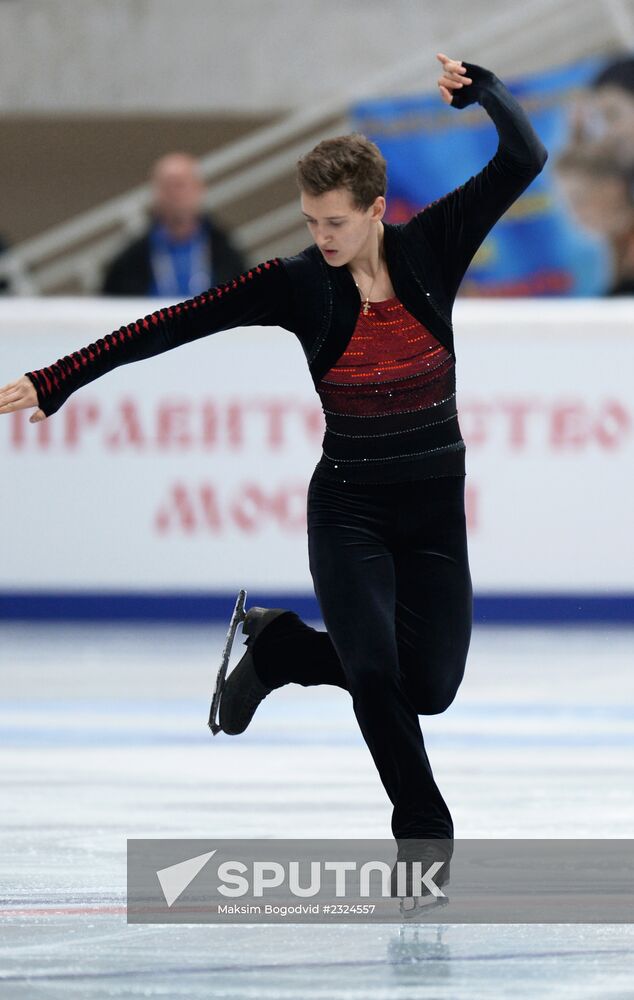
pixel 104 737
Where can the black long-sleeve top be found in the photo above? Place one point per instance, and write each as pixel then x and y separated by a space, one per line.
pixel 426 259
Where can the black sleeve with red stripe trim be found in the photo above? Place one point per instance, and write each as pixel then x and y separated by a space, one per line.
pixel 456 224
pixel 258 297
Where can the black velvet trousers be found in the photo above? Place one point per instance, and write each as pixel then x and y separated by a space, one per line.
pixel 390 568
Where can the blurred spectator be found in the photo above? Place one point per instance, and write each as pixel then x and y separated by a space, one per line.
pixel 596 170
pixel 613 99
pixel 4 283
pixel 183 252
pixel 597 180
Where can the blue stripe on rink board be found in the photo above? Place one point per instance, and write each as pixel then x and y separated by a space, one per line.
pixel 493 609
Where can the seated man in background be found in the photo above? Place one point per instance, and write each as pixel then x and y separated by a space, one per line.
pixel 183 252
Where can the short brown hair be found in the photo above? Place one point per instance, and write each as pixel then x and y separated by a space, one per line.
pixel 350 161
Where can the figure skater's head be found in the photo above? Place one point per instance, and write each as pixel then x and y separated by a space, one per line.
pixel 343 181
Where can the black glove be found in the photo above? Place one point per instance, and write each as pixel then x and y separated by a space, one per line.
pixel 469 93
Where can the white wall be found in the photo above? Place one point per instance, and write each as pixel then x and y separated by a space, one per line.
pixel 188 471
pixel 259 55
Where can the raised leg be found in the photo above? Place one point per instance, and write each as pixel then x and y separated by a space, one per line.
pixel 290 651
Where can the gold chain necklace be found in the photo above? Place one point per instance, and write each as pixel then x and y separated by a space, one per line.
pixel 366 304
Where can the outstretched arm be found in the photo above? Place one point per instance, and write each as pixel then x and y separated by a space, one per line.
pixel 258 297
pixel 456 224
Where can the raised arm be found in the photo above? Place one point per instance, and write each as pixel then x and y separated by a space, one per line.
pixel 456 224
pixel 257 297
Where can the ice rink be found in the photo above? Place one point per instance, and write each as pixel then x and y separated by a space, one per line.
pixel 105 738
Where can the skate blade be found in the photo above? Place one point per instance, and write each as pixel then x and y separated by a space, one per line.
pixel 237 616
pixel 422 911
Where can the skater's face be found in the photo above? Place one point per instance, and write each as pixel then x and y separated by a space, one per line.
pixel 341 231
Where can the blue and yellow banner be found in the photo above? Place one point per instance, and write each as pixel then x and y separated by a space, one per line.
pixel 537 248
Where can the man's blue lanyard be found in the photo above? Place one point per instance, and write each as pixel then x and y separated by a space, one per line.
pixel 180 269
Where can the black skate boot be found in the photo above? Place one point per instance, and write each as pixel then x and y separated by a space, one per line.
pixel 417 898
pixel 243 690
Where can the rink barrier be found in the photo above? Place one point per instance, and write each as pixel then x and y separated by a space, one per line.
pixel 489 609
pixel 167 485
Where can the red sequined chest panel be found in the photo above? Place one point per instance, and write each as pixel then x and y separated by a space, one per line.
pixel 392 364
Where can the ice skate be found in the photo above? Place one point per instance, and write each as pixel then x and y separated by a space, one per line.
pixel 237 616
pixel 421 907
pixel 236 697
pixel 421 871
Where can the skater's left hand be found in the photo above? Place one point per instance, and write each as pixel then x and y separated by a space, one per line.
pixel 453 75
pixel 20 395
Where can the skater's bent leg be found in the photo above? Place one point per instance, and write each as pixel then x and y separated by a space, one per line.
pixel 290 651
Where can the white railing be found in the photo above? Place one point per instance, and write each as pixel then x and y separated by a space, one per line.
pixel 77 250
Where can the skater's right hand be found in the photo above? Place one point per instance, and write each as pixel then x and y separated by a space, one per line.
pixel 20 395
pixel 454 75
